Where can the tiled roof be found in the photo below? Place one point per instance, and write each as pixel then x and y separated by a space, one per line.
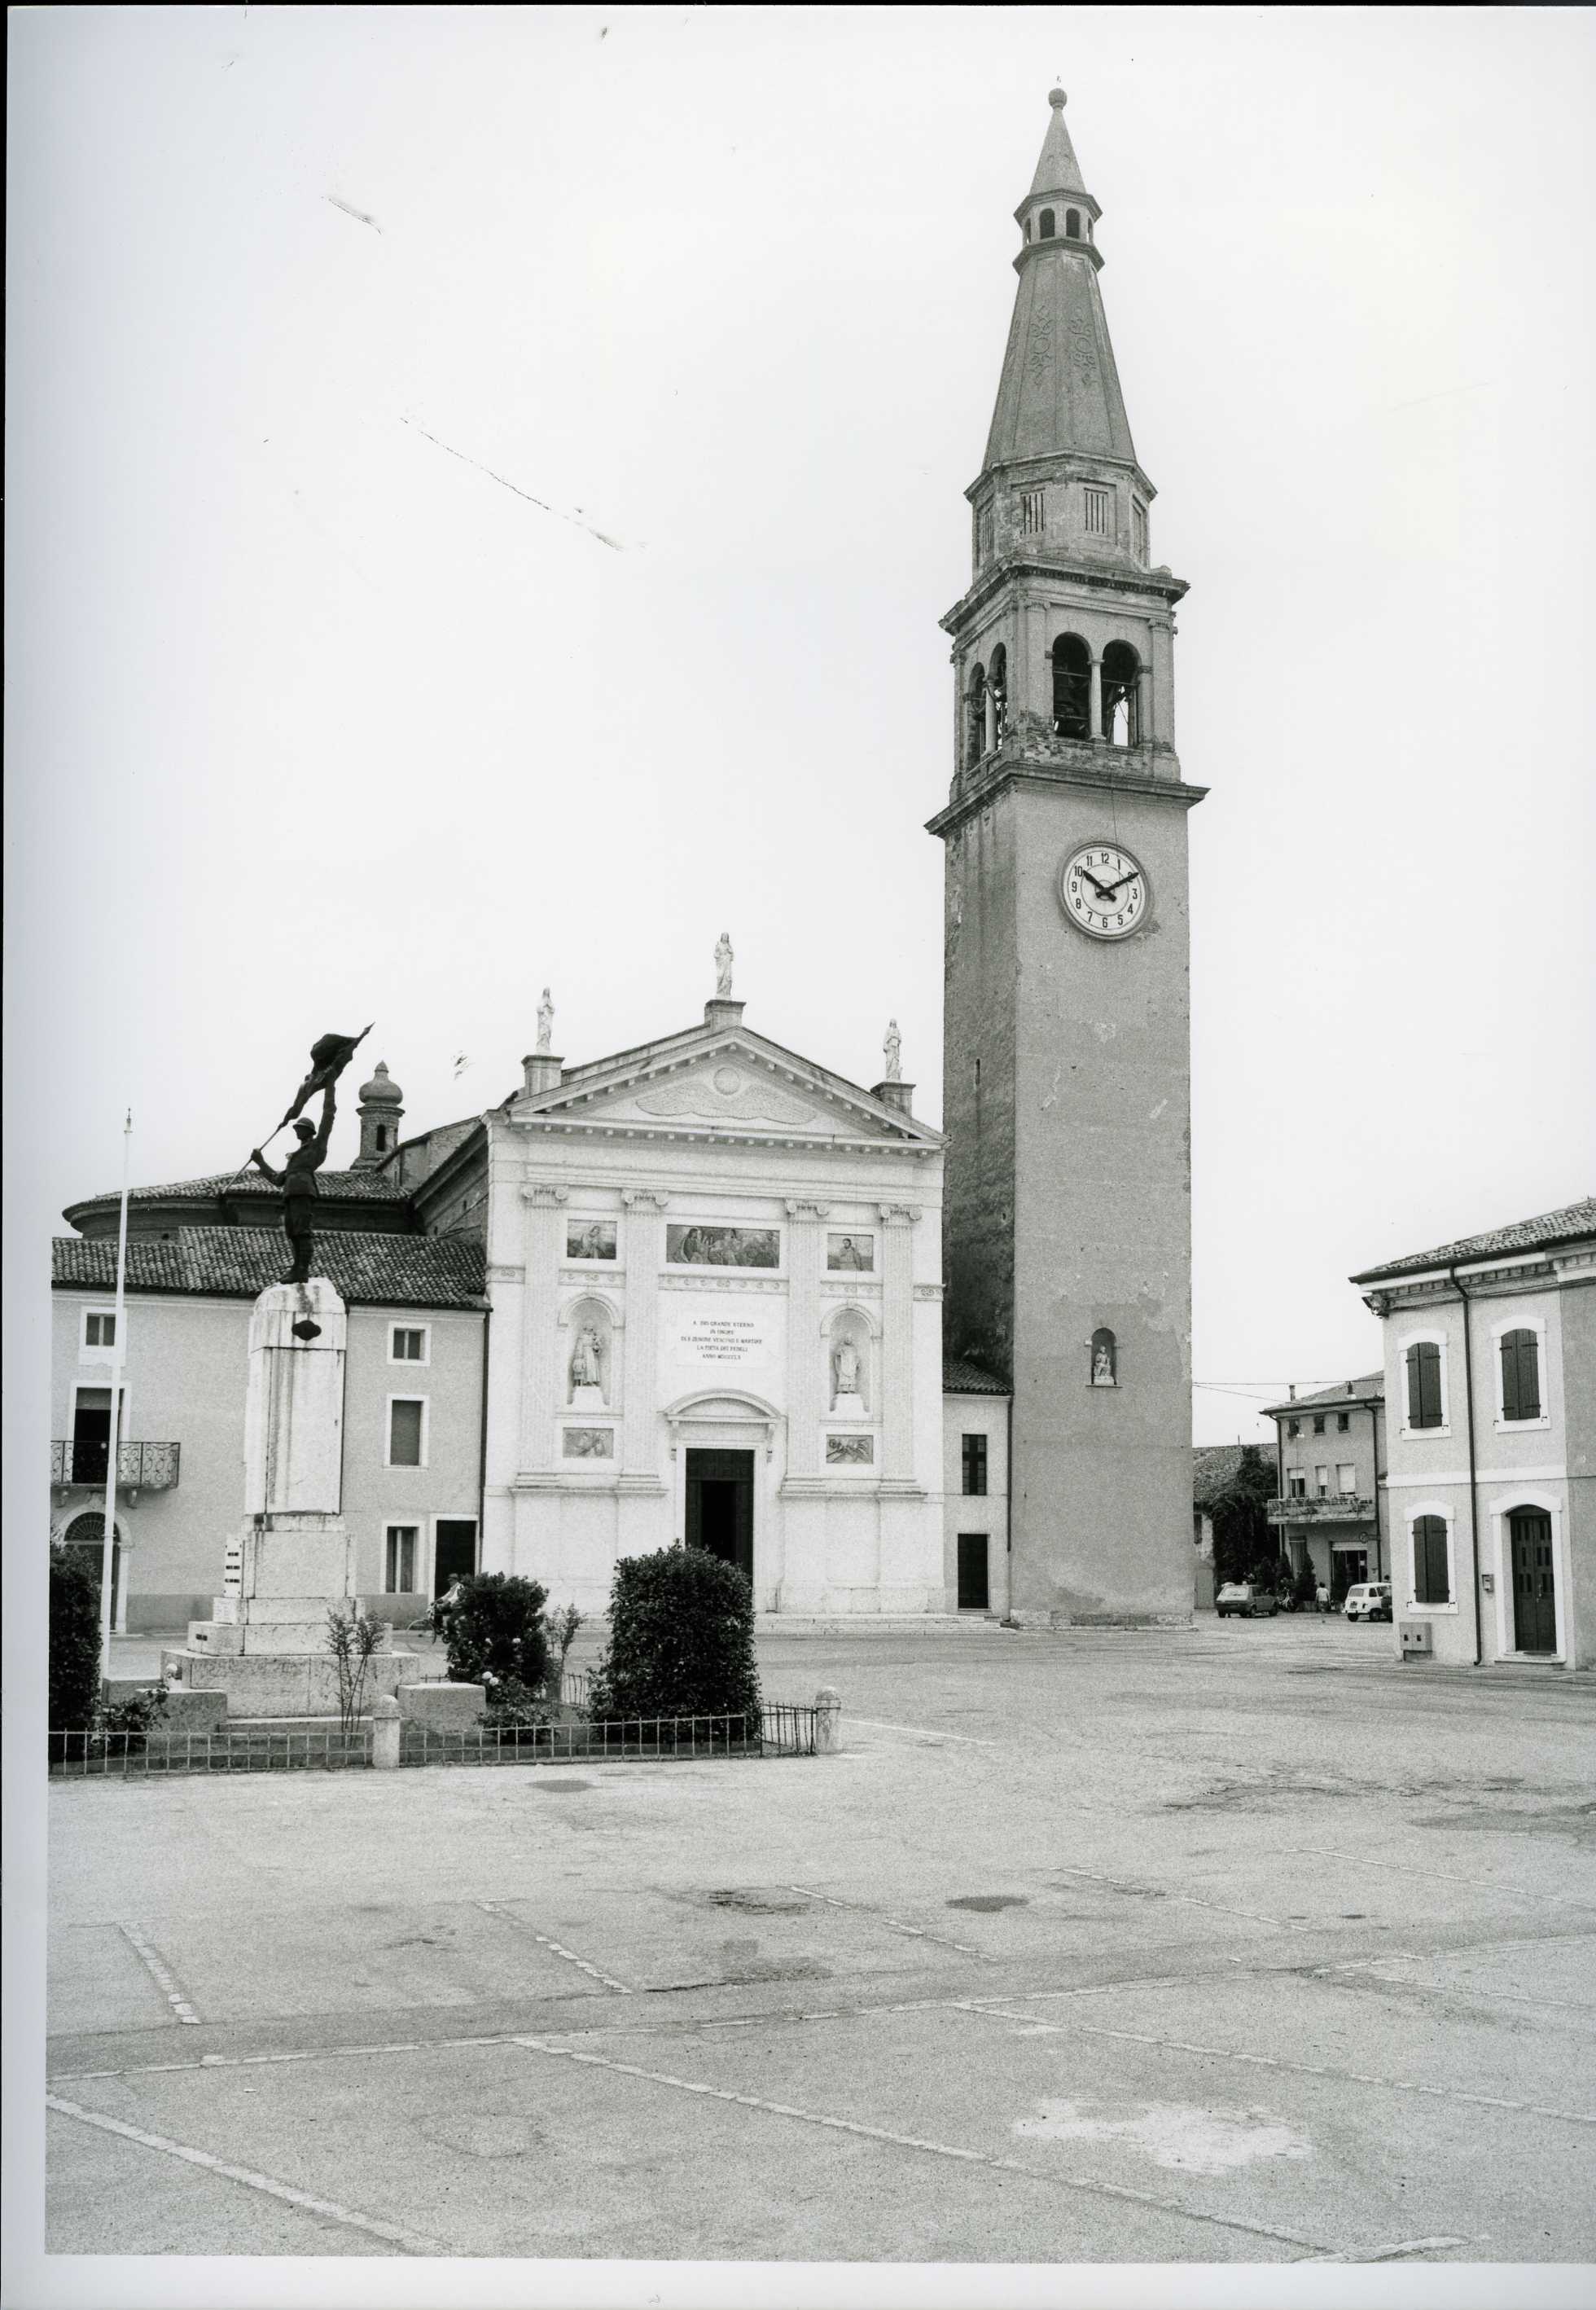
pixel 1350 1391
pixel 1565 1226
pixel 339 1187
pixel 388 1271
pixel 962 1378
pixel 1214 1467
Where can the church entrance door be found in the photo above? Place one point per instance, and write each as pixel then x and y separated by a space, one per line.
pixel 720 1505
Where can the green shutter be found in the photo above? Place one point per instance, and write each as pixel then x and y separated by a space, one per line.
pixel 1521 1375
pixel 1430 1582
pixel 1424 1384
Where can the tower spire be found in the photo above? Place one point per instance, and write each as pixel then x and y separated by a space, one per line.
pixel 1060 392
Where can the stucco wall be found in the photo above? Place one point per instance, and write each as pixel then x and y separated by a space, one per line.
pixel 988 1513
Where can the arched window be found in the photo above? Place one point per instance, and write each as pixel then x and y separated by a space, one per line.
pixel 997 682
pixel 1104 1370
pixel 1121 669
pixel 382 1138
pixel 1521 1375
pixel 1046 225
pixel 976 726
pixel 1072 687
pixel 1073 223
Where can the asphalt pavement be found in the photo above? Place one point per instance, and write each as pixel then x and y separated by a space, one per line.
pixel 1243 1946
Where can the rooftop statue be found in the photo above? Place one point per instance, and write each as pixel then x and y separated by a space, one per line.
pixel 329 1056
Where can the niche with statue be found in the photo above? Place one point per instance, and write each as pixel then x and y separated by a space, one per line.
pixel 850 1394
pixel 590 1363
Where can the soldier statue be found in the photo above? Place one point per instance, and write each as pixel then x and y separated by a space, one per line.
pixel 297 1180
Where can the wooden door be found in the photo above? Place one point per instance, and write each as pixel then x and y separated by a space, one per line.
pixel 720 1505
pixel 974 1591
pixel 454 1552
pixel 1534 1589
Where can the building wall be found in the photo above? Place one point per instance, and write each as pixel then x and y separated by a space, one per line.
pixel 1319 1539
pixel 1102 1199
pixel 974 1512
pixel 1525 1466
pixel 695 1358
pixel 186 1377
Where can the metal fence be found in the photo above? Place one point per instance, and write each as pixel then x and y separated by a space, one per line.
pixel 778 1729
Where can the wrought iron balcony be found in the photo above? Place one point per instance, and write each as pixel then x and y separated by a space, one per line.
pixel 1332 1508
pixel 140 1467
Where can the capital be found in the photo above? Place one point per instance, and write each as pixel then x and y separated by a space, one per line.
pixel 644 1200
pixel 544 1198
pixel 899 1214
pixel 801 1210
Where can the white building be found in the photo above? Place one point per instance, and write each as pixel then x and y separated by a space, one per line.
pixel 1490 1390
pixel 715 1270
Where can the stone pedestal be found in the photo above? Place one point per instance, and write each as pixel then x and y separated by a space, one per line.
pixel 292 1561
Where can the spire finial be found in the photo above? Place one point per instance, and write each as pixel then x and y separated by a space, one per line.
pixel 1057 98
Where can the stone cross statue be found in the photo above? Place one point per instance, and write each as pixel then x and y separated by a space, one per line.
pixel 892 1043
pixel 545 1023
pixel 723 965
pixel 585 1359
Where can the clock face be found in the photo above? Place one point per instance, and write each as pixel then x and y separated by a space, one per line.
pixel 1103 891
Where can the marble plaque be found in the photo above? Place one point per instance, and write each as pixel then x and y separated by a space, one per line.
pixel 850 1451
pixel 726 1336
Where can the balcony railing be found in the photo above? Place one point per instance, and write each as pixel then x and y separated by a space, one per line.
pixel 140 1467
pixel 1332 1508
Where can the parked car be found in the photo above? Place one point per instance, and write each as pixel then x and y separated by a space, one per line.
pixel 1370 1600
pixel 1247 1600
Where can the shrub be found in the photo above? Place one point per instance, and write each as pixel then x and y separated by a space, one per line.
pixel 351 1639
pixel 75 1643
pixel 1304 1589
pixel 136 1716
pixel 493 1632
pixel 681 1639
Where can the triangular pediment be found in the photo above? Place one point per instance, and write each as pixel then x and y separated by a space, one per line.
pixel 723 1082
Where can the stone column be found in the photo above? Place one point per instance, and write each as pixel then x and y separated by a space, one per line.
pixel 1144 705
pixel 897 1345
pixel 807 1379
pixel 643 1249
pixel 1095 696
pixel 540 1338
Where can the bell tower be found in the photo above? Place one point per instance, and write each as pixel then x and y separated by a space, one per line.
pixel 1066 1025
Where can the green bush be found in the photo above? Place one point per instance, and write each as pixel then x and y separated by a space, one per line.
pixel 681 1639
pixel 75 1643
pixel 136 1716
pixel 492 1628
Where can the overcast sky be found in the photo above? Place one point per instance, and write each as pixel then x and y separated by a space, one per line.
pixel 484 484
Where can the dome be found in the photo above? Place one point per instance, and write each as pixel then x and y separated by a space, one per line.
pixel 381 1091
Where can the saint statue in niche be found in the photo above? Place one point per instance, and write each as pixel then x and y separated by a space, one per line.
pixel 723 965
pixel 844 1369
pixel 586 1359
pixel 1104 1374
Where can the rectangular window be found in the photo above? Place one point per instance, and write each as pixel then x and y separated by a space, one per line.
pixel 1096 513
pixel 100 1331
pixel 1297 1485
pixel 1032 513
pixel 1521 1375
pixel 399 1574
pixel 1347 1479
pixel 973 1454
pixel 1424 1384
pixel 1139 530
pixel 1322 1482
pixel 1432 1577
pixel 1343 1422
pixel 1294 1427
pixel 974 1591
pixel 1318 1423
pixel 407 1344
pixel 406 1430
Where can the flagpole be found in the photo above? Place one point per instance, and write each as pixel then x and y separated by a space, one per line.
pixel 118 1357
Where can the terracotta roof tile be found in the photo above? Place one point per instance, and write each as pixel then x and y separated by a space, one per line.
pixel 1565 1226
pixel 389 1271
pixel 961 1377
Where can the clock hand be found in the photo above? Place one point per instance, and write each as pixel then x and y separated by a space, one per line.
pixel 1097 886
pixel 1113 887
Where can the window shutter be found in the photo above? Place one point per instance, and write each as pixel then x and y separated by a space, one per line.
pixel 1424 1384
pixel 1521 1375
pixel 1430 1582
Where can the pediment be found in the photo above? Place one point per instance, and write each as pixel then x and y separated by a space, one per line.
pixel 730 1085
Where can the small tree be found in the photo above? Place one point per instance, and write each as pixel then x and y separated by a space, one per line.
pixel 351 1639
pixel 562 1635
pixel 681 1639
pixel 492 1628
pixel 1244 1543
pixel 75 1643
